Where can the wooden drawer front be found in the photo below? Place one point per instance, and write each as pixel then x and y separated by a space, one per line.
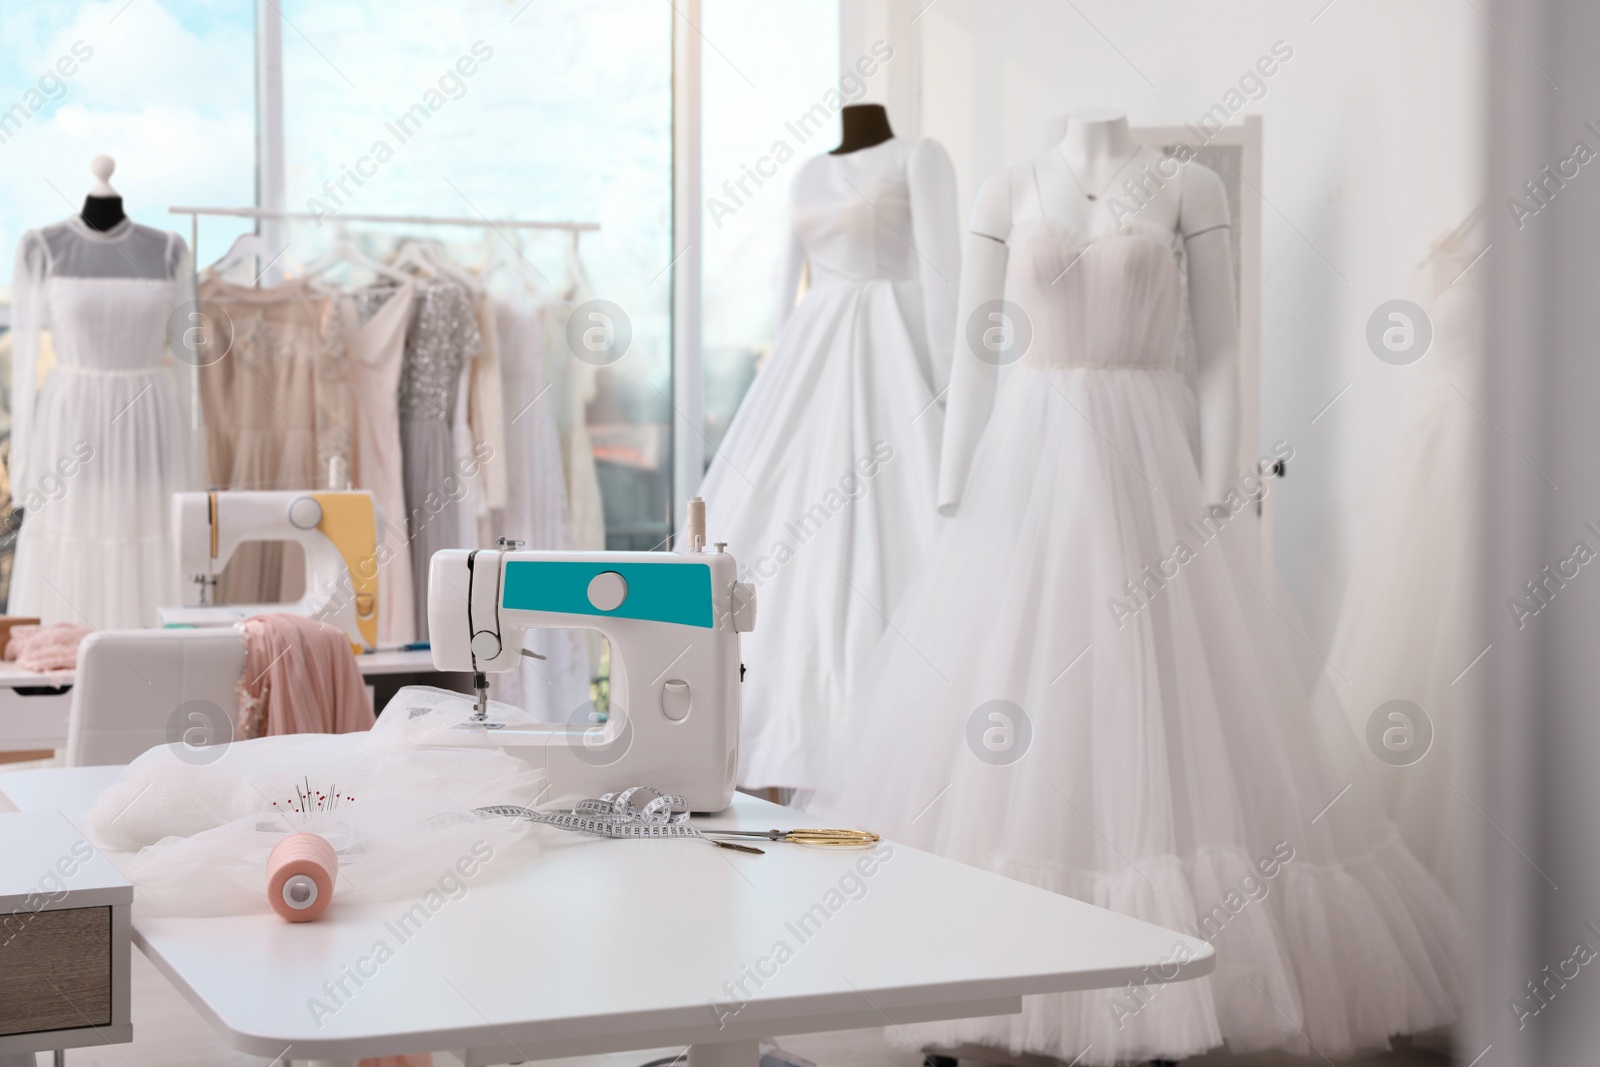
pixel 55 973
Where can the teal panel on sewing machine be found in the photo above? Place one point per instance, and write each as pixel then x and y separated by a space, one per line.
pixel 657 592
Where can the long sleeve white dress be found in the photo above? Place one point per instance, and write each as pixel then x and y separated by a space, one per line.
pixel 98 451
pixel 1082 691
pixel 555 688
pixel 824 486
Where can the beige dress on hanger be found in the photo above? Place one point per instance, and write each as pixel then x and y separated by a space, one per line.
pixel 276 412
pixel 374 322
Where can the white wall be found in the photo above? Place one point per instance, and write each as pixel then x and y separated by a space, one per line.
pixel 1372 150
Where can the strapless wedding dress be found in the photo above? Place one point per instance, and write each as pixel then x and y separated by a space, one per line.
pixel 1145 747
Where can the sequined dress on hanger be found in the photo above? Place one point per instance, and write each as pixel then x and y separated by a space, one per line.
pixel 443 336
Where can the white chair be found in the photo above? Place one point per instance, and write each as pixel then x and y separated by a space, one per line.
pixel 135 689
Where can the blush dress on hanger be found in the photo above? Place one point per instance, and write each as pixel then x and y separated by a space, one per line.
pixel 97 453
pixel 374 321
pixel 824 485
pixel 1154 755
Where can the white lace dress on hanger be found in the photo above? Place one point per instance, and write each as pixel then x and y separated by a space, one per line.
pixel 1160 759
pixel 574 385
pixel 97 453
pixel 824 485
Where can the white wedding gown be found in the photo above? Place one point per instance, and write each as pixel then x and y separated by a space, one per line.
pixel 1405 628
pixel 97 453
pixel 824 486
pixel 1163 760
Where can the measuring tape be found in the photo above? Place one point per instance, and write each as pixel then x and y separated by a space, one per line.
pixel 665 815
pixel 613 815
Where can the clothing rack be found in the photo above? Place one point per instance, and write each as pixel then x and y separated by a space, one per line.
pixel 413 220
pixel 194 213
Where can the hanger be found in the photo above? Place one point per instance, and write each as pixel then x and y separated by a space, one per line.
pixel 434 252
pixel 345 250
pixel 412 257
pixel 1439 244
pixel 503 255
pixel 246 246
pixel 577 279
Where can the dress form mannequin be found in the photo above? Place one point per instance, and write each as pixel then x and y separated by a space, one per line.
pixel 102 208
pixel 1085 183
pixel 857 364
pixel 862 126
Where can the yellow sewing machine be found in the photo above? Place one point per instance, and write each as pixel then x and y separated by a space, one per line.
pixel 338 530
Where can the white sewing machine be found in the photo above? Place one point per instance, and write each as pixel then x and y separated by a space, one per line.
pixel 673 620
pixel 337 529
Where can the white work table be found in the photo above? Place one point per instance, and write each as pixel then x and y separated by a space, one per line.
pixel 36 717
pixel 608 945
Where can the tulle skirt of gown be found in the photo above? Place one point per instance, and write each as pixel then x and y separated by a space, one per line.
pixel 824 491
pixel 1404 631
pixel 1164 763
pixel 109 451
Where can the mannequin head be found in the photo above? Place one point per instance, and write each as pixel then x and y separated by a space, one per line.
pixel 863 125
pixel 102 208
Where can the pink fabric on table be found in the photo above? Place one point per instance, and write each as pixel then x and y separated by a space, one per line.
pixel 300 677
pixel 46 648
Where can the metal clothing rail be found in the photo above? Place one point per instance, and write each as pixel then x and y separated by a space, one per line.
pixel 412 220
pixel 194 213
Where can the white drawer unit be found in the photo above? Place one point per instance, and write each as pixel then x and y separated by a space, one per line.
pixel 65 937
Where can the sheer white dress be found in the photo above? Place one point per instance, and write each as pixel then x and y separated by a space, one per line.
pixel 555 688
pixel 824 485
pixel 97 453
pixel 1158 759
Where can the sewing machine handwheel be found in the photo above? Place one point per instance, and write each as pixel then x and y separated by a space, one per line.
pixel 607 590
pixel 304 513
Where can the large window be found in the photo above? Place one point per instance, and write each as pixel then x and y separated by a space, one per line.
pixel 82 79
pixel 550 110
pixel 496 109
pixel 763 64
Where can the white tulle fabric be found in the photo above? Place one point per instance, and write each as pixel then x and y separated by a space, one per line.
pixel 193 837
pixel 823 487
pixel 1172 750
pixel 97 453
pixel 1404 629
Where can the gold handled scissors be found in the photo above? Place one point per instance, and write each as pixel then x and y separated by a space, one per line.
pixel 831 838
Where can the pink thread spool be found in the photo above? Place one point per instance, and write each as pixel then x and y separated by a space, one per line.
pixel 300 875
